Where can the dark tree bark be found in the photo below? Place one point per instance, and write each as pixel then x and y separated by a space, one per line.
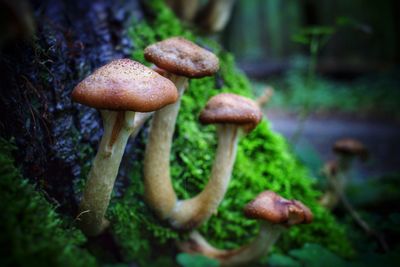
pixel 55 136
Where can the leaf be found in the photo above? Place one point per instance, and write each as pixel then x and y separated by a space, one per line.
pixel 189 260
pixel 313 255
pixel 277 260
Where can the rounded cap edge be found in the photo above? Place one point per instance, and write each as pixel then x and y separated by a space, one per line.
pixel 182 57
pixel 231 108
pixel 351 147
pixel 124 84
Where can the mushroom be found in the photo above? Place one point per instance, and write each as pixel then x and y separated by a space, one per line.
pixel 233 115
pixel 275 215
pixel 347 149
pixel 215 15
pixel 118 90
pixel 179 58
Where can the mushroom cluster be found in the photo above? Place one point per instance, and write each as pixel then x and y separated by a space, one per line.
pixel 178 59
pixel 127 93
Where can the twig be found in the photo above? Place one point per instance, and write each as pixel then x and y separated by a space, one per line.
pixel 357 218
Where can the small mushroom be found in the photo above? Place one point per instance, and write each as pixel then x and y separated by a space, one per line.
pixel 118 90
pixel 275 215
pixel 180 59
pixel 347 149
pixel 233 115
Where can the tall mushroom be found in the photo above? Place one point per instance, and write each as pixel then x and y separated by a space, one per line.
pixel 118 90
pixel 233 115
pixel 180 59
pixel 274 213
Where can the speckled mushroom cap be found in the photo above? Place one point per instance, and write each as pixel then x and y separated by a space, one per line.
pixel 231 108
pixel 124 84
pixel 350 146
pixel 182 57
pixel 275 209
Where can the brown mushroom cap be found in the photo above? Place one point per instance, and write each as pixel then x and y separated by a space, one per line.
pixel 231 108
pixel 351 147
pixel 271 207
pixel 124 84
pixel 182 57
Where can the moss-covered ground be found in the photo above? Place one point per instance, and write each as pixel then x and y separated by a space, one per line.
pixel 32 233
pixel 263 162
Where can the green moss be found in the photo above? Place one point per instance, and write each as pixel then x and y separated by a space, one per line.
pixel 263 162
pixel 32 234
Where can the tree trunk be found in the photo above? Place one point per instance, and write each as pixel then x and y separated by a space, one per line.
pixel 56 138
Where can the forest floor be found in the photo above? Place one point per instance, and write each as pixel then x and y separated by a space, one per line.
pixel 318 133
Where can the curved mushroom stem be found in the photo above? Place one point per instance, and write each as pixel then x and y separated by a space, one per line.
pixel 190 213
pixel 242 256
pixel 159 192
pixel 118 126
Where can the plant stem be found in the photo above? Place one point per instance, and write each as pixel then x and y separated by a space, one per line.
pixel 338 186
pixel 312 68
